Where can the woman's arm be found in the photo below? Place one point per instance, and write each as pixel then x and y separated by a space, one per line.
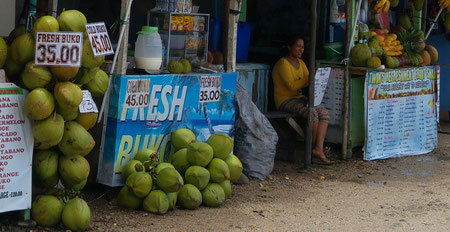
pixel 292 82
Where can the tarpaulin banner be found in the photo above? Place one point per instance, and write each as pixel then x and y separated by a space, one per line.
pixel 16 150
pixel 144 110
pixel 401 112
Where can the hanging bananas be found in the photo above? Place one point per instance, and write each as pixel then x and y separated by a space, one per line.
pixel 382 6
pixel 444 4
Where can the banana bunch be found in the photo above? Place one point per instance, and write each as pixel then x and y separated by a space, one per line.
pixel 382 6
pixel 444 4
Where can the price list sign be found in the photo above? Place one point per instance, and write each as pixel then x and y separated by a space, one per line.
pixel 16 150
pixel 99 38
pixel 210 88
pixel 401 112
pixel 58 48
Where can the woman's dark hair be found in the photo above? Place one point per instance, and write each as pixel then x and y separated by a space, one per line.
pixel 289 42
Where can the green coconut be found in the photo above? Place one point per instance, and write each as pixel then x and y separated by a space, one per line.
pixel 35 76
pixel 46 210
pixel 235 167
pixel 186 65
pixel 221 144
pixel 199 153
pixel 45 164
pixel 197 176
pixel 189 197
pixel 75 187
pixel 156 202
pixel 18 31
pixel 45 23
pixel 99 84
pixel 84 75
pixel 161 166
pixel 76 215
pixel 226 186
pixel 49 182
pixel 88 60
pixel 148 157
pixel 73 170
pixel 180 161
pixel 12 68
pixel 131 167
pixel 87 120
pixel 39 104
pixel 76 140
pixel 72 20
pixel 213 195
pixel 69 113
pixel 22 49
pixel 3 52
pixel 140 183
pixel 169 180
pixel 218 170
pixel 172 200
pixel 127 199
pixel 68 94
pixel 49 131
pixel 360 54
pixel 181 138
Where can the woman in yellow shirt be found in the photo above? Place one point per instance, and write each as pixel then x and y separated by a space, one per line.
pixel 290 75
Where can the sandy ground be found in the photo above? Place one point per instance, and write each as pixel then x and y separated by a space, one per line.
pixel 404 194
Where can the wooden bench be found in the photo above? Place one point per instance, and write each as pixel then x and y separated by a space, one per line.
pixel 289 117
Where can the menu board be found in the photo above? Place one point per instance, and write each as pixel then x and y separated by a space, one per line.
pixel 16 150
pixel 401 112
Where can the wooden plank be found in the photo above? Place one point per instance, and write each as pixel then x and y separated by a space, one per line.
pixel 295 126
pixel 346 134
pixel 279 114
pixel 122 58
pixel 312 73
pixel 230 35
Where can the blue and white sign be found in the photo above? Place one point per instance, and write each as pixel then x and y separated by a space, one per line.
pixel 144 110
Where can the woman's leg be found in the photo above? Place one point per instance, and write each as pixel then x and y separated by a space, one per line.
pixel 321 126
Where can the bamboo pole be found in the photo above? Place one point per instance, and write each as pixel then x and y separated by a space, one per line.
pixel 230 35
pixel 312 73
pixel 349 39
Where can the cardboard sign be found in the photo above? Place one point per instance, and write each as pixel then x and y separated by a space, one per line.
pixel 87 104
pixel 210 88
pixel 58 48
pixel 100 42
pixel 16 150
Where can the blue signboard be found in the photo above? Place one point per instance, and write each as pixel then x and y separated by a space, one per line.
pixel 144 110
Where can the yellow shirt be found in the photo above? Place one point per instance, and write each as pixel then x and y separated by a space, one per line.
pixel 288 81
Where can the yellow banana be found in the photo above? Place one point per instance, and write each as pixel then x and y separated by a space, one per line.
pixel 386 6
pixel 380 3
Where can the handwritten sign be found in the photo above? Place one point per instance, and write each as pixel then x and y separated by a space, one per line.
pixel 16 150
pixel 99 38
pixel 58 48
pixel 87 104
pixel 322 76
pixel 210 88
pixel 137 93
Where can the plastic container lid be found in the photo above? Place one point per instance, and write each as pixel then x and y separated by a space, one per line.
pixel 148 30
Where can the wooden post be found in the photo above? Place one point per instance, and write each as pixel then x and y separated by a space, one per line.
pixel 312 73
pixel 53 7
pixel 230 35
pixel 345 134
pixel 123 52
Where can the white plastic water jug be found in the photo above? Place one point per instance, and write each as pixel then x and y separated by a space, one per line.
pixel 148 49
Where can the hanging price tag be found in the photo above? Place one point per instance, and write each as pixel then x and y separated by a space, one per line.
pixel 210 88
pixel 58 48
pixel 138 91
pixel 100 42
pixel 87 104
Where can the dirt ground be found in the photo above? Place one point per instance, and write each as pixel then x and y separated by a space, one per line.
pixel 403 194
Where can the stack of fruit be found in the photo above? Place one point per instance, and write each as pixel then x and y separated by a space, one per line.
pixel 198 173
pixel 380 6
pixel 388 42
pixel 61 137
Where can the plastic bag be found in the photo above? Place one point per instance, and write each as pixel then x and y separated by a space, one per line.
pixel 255 139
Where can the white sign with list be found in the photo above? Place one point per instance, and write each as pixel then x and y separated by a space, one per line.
pixel 321 82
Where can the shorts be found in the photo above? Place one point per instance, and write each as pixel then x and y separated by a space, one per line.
pixel 300 107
